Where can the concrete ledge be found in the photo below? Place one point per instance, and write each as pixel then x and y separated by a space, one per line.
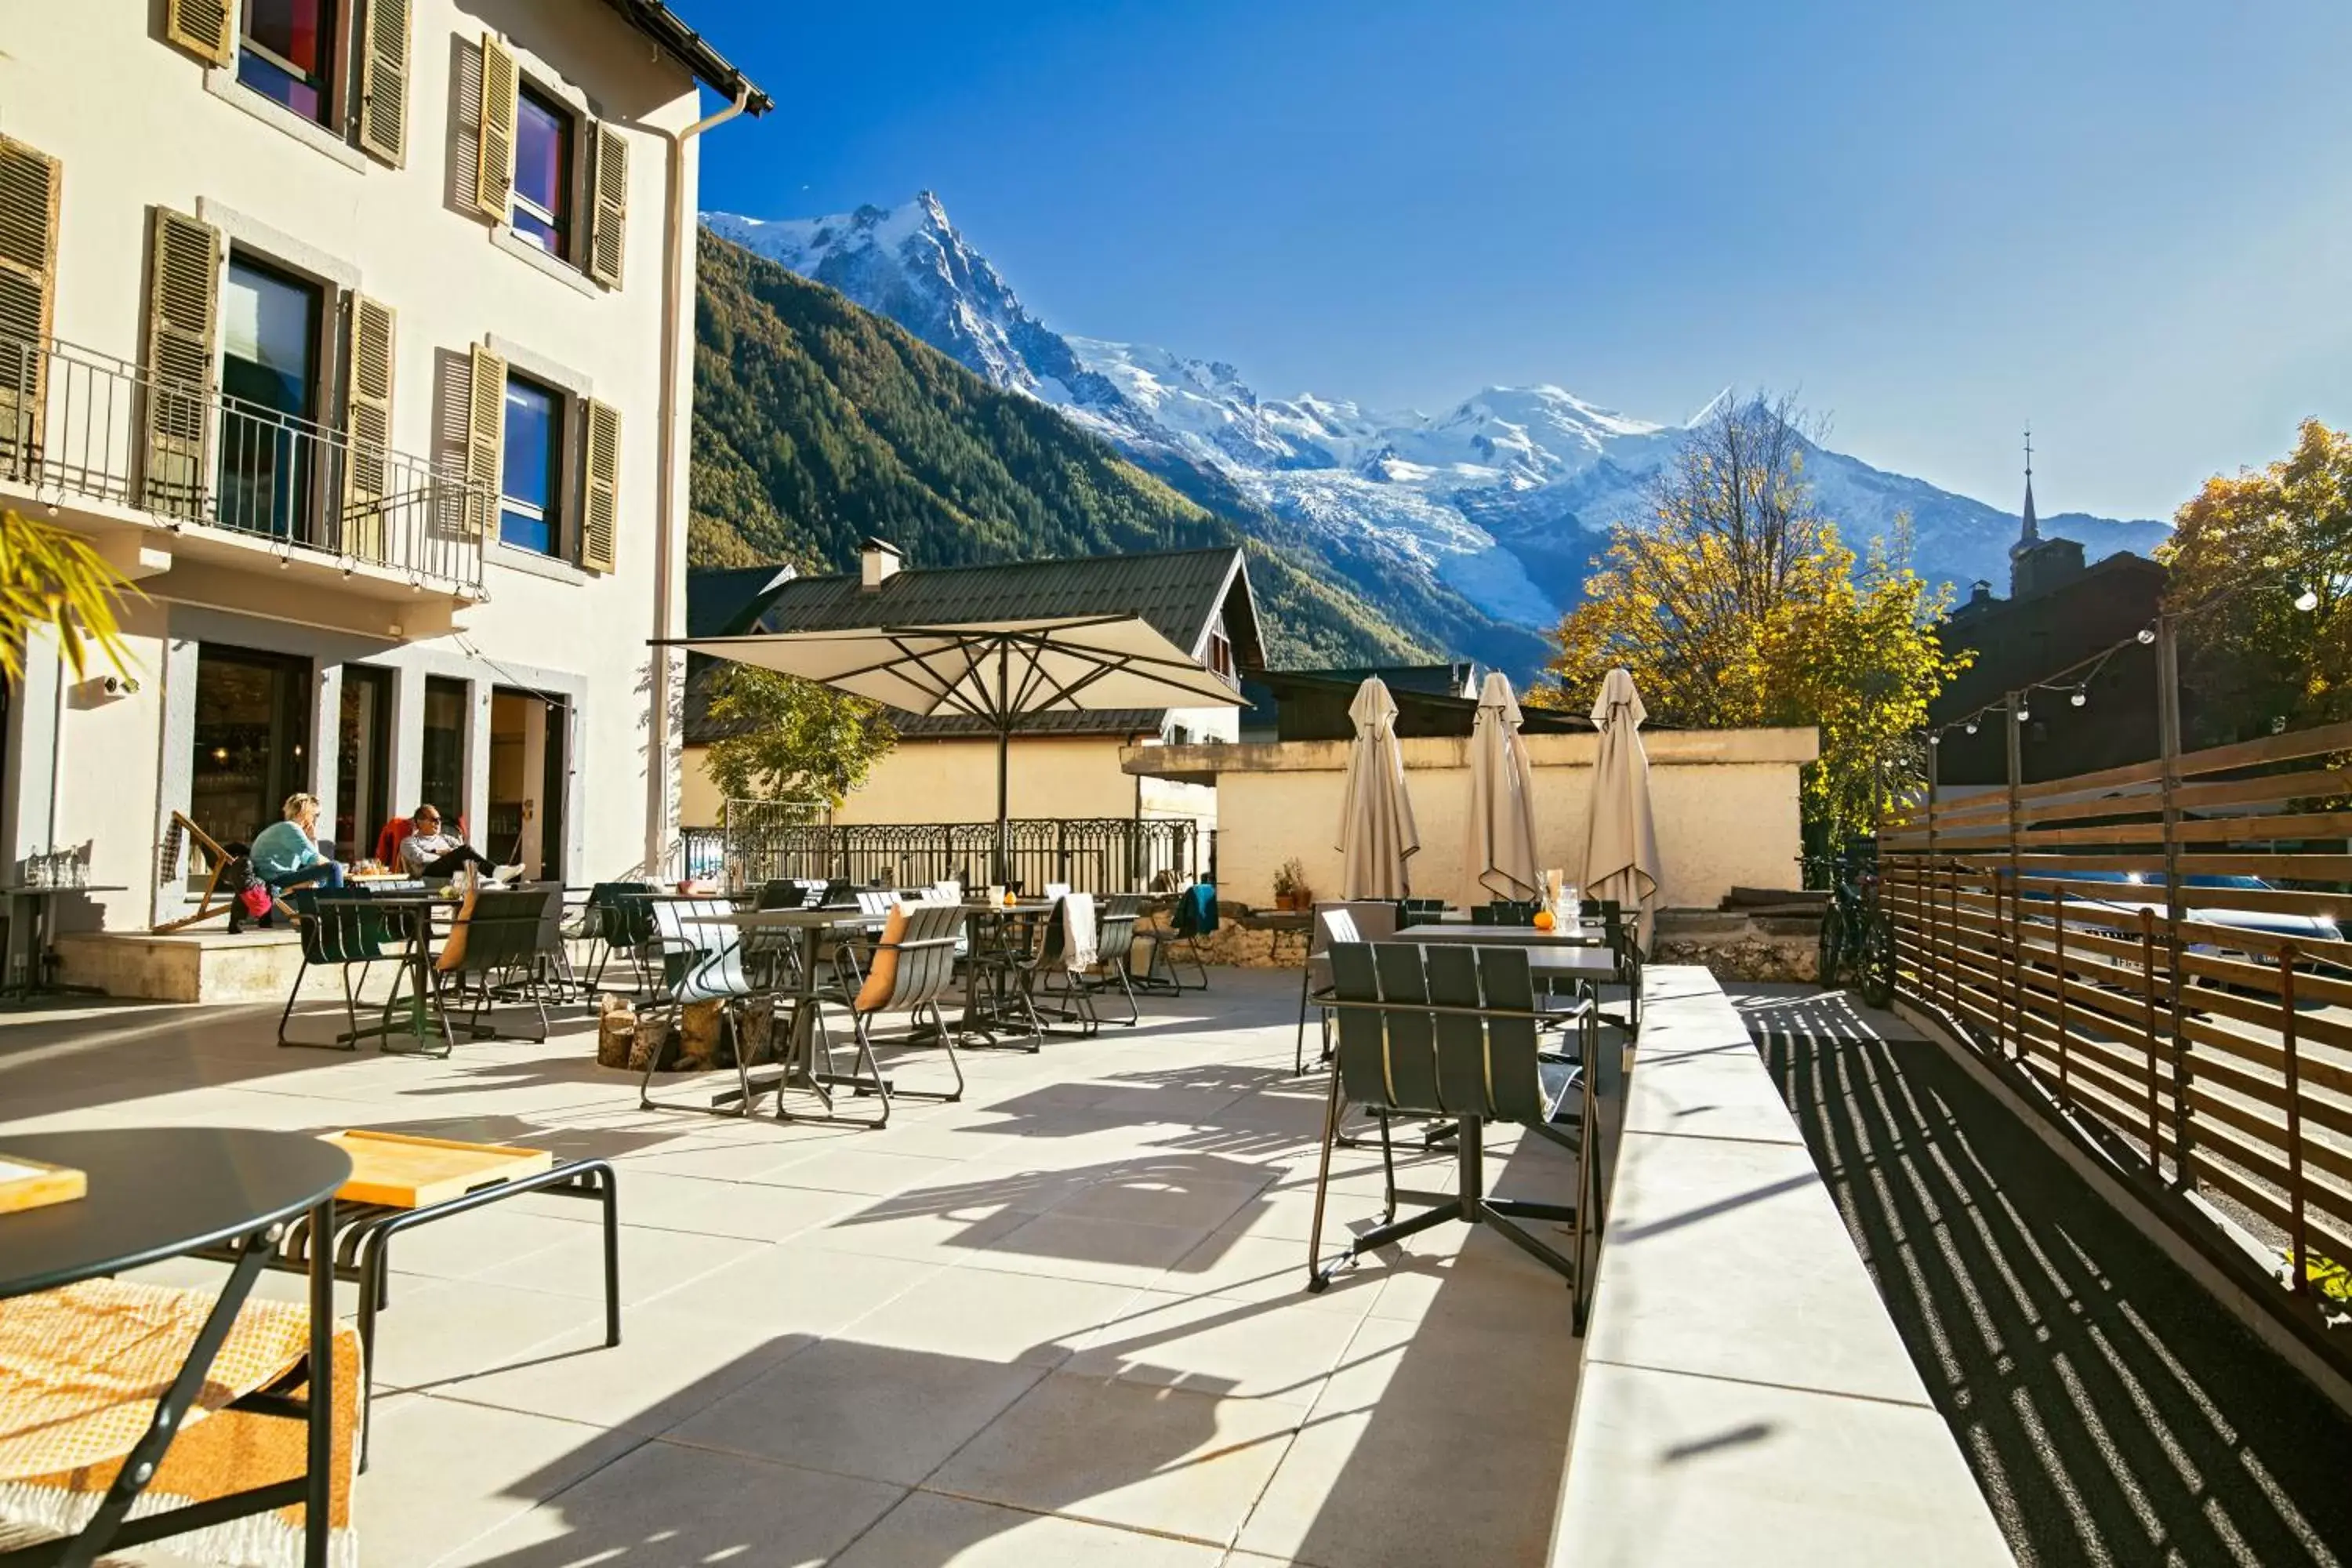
pixel 189 966
pixel 1744 1395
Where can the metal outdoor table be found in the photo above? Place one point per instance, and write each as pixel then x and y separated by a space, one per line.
pixel 797 1067
pixel 29 939
pixel 157 1193
pixel 418 960
pixel 1583 938
pixel 987 1006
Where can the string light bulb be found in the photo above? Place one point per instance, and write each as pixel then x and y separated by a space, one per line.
pixel 2147 635
pixel 2080 696
pixel 1935 740
pixel 2307 601
pixel 2022 714
pixel 1971 726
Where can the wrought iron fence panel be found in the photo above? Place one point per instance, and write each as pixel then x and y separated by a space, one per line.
pixel 1094 855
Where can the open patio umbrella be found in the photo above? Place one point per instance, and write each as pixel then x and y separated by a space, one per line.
pixel 1377 835
pixel 1620 842
pixel 996 672
pixel 1500 856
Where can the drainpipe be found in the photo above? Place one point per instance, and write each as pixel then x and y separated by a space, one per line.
pixel 666 523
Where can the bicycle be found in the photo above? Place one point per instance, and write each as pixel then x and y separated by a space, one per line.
pixel 1857 938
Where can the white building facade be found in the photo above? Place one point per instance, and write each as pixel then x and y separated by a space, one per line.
pixel 359 334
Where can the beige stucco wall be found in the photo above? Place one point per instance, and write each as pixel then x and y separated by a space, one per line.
pixel 1724 802
pixel 137 122
pixel 955 781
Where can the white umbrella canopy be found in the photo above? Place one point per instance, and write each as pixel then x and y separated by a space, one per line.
pixel 1377 834
pixel 1620 845
pixel 996 672
pixel 1499 858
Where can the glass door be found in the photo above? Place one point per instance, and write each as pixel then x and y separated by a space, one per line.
pixel 363 760
pixel 269 388
pixel 252 738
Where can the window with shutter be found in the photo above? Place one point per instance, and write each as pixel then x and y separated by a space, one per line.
pixel 608 217
pixel 182 326
pixel 367 424
pixel 494 167
pixel 486 394
pixel 600 509
pixel 384 81
pixel 199 26
pixel 28 260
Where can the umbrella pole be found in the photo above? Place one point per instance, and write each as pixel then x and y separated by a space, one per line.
pixel 1004 825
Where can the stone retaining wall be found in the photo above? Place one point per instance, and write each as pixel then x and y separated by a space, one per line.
pixel 1728 946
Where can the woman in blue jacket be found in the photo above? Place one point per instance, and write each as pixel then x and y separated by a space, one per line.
pixel 287 855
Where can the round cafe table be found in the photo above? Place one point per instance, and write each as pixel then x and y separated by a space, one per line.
pixel 163 1191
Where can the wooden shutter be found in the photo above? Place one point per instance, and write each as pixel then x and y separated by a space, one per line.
pixel 29 270
pixel 493 165
pixel 182 327
pixel 367 424
pixel 384 81
pixel 600 510
pixel 486 423
pixel 608 216
pixel 200 28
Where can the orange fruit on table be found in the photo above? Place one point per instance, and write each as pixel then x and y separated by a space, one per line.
pixel 1543 920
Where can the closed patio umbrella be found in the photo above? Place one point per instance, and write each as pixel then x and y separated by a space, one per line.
pixel 1621 843
pixel 997 672
pixel 1500 856
pixel 1377 835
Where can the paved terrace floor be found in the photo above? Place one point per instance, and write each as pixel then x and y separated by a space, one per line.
pixel 1058 1323
pixel 2113 1412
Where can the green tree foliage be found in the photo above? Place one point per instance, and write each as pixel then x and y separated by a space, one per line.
pixel 1736 603
pixel 2242 552
pixel 817 424
pixel 51 579
pixel 788 739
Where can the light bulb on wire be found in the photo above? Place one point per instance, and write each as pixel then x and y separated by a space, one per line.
pixel 2307 601
pixel 1971 726
pixel 2146 635
pixel 2080 696
pixel 2022 714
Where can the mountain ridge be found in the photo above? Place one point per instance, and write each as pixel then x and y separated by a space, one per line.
pixel 1491 511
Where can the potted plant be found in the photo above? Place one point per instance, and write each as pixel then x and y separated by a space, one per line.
pixel 1291 889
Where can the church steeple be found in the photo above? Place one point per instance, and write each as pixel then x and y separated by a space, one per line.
pixel 2032 534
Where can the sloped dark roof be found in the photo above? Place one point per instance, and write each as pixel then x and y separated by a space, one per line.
pixel 721 601
pixel 1179 593
pixel 666 27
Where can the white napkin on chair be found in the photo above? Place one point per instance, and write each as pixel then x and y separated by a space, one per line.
pixel 1081 952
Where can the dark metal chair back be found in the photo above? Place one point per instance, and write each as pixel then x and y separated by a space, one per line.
pixel 700 962
pixel 1448 1029
pixel 1418 911
pixel 926 950
pixel 782 895
pixel 1504 912
pixel 1115 929
pixel 345 926
pixel 506 927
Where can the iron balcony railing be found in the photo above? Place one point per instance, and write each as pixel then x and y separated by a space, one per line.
pixel 1093 855
pixel 75 424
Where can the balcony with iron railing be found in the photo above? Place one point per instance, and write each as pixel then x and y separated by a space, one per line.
pixel 180 477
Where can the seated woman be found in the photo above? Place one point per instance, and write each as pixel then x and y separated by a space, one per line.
pixel 286 854
pixel 428 851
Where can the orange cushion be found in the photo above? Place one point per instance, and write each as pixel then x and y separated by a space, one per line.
pixel 885 972
pixel 453 949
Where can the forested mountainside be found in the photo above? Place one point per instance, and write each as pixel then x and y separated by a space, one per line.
pixel 817 423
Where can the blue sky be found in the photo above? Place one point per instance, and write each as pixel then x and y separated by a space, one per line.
pixel 2129 221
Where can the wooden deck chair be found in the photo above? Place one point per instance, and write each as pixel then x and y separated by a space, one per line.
pixel 177 836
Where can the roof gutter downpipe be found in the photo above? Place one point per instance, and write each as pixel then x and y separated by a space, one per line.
pixel 661 787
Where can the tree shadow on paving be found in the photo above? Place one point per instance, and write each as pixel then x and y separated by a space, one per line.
pixel 2113 1412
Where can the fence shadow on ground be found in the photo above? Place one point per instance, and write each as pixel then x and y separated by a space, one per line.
pixel 2112 1411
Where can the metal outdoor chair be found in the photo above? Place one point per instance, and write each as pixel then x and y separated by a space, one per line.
pixel 346 932
pixel 614 919
pixel 1418 911
pixel 501 934
pixel 1455 1030
pixel 1362 920
pixel 698 961
pixel 1113 950
pixel 1504 912
pixel 1057 955
pixel 1194 916
pixel 1621 938
pixel 907 969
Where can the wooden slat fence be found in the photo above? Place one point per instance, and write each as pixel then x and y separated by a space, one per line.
pixel 2081 928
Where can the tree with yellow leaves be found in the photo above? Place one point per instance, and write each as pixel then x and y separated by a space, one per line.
pixel 1736 603
pixel 2247 553
pixel 53 580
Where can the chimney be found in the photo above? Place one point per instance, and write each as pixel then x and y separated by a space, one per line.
pixel 877 563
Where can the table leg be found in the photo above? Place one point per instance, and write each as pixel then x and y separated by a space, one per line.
pixel 318 1473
